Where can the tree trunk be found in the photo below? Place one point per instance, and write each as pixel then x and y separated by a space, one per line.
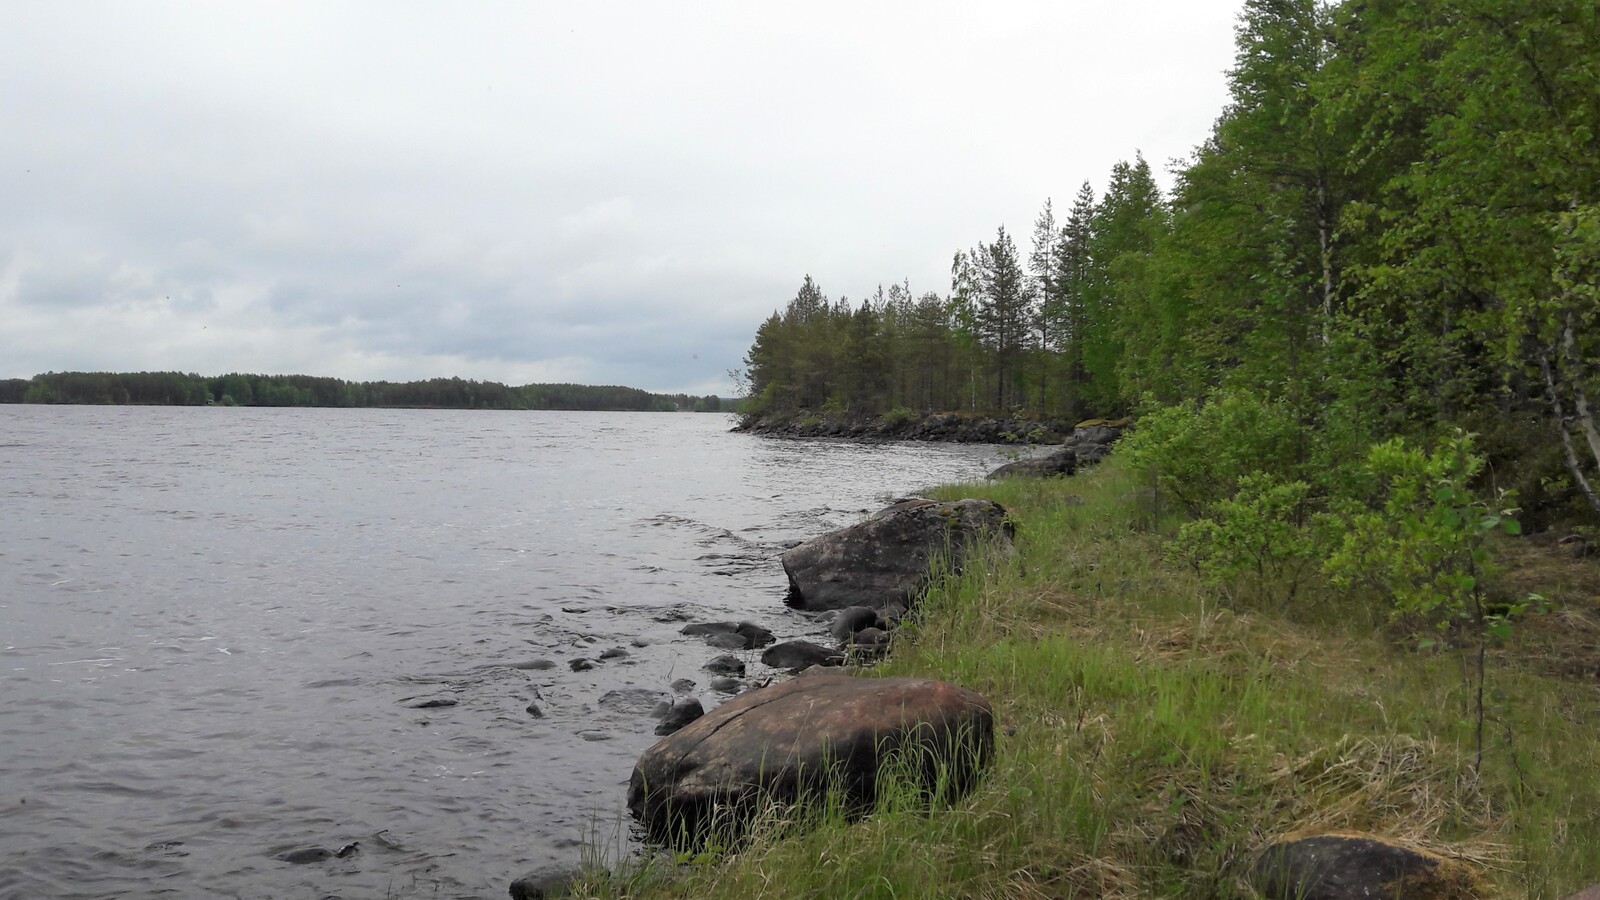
pixel 1325 247
pixel 1569 453
pixel 1580 400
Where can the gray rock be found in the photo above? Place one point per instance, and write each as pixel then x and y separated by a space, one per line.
pixel 581 665
pixel 705 628
pixel 797 655
pixel 1060 463
pixel 535 711
pixel 725 685
pixel 731 635
pixel 755 636
pixel 680 714
pixel 870 638
pixel 545 883
pixel 433 702
pixel 725 665
pixel 850 620
pixel 892 615
pixel 888 558
pixel 614 653
pixel 730 640
pixel 1352 867
pixel 683 685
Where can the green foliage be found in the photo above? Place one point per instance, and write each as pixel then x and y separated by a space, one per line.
pixel 1200 455
pixel 1257 541
pixel 1422 540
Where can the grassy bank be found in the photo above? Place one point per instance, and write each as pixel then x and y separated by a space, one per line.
pixel 1153 732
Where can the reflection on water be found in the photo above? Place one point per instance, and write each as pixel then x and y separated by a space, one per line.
pixel 227 634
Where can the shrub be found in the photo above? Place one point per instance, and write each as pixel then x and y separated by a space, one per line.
pixel 1199 456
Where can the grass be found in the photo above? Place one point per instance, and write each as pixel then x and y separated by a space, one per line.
pixel 1153 733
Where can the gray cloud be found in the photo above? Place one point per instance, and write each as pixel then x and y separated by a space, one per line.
pixel 600 192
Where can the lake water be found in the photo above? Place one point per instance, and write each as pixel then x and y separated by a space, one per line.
pixel 215 626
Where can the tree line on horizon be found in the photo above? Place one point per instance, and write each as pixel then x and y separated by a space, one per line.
pixel 1395 222
pixel 236 389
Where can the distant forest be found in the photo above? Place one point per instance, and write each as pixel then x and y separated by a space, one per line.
pixel 179 389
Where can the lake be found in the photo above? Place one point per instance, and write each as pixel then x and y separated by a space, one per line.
pixel 217 626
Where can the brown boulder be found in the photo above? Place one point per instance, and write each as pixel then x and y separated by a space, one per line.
pixel 796 740
pixel 888 558
pixel 1354 867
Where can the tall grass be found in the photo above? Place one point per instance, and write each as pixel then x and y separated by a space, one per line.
pixel 1153 735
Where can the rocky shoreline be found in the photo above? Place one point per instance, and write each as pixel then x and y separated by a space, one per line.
pixel 858 584
pixel 950 427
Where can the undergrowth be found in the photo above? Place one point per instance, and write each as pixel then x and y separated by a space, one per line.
pixel 1154 730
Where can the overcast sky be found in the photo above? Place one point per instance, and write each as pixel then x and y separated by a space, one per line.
pixel 597 192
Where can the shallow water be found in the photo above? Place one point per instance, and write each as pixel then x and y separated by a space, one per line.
pixel 215 624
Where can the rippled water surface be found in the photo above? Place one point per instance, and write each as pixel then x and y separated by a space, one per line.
pixel 216 625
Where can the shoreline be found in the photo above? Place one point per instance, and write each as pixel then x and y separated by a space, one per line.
pixel 945 427
pixel 1155 734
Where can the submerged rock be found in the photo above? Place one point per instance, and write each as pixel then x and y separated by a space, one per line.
pixel 545 883
pixel 725 685
pixel 635 701
pixel 731 635
pixel 728 640
pixel 793 740
pixel 1353 866
pixel 797 655
pixel 725 665
pixel 306 855
pixel 888 558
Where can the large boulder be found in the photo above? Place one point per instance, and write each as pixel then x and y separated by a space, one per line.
pixel 1355 866
pixel 888 558
pixel 793 741
pixel 1060 463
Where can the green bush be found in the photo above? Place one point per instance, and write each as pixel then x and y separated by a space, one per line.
pixel 1199 456
pixel 1262 540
